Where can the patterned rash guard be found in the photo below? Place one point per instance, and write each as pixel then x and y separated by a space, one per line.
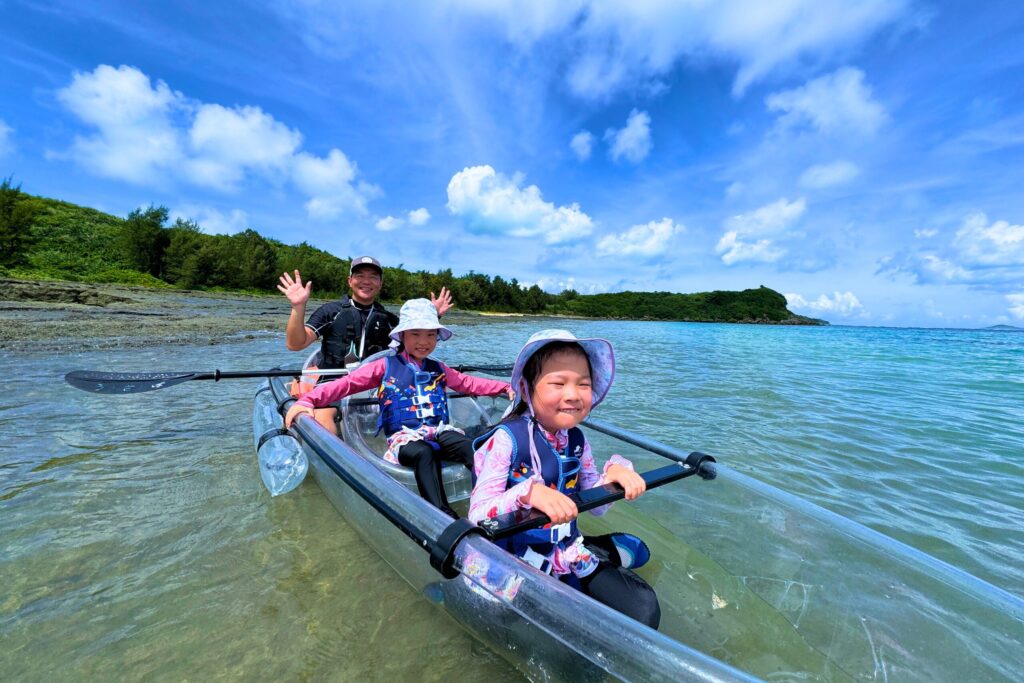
pixel 491 498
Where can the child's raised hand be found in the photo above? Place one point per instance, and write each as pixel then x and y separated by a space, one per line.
pixel 442 302
pixel 630 481
pixel 511 394
pixel 293 412
pixel 557 506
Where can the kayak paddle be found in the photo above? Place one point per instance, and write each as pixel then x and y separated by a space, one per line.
pixel 135 382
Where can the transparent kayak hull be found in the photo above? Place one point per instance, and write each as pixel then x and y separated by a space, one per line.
pixel 541 626
pixel 805 595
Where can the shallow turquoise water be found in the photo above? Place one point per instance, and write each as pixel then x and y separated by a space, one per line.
pixel 138 543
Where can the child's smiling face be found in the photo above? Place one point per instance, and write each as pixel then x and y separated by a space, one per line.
pixel 419 343
pixel 562 395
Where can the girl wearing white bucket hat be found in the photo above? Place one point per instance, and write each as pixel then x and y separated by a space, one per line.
pixel 538 456
pixel 411 389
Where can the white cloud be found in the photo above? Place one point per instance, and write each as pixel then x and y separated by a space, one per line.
pixel 330 183
pixel 733 249
pixel 735 190
pixel 981 254
pixel 925 233
pixel 389 223
pixel 838 103
pixel 415 217
pixel 137 137
pixel 998 244
pixel 211 220
pixel 5 138
pixel 148 134
pixel 1016 302
pixel 640 240
pixel 739 242
pixel 632 142
pixel 582 143
pixel 225 143
pixel 419 216
pixel 769 219
pixel 613 46
pixel 841 303
pixel 492 203
pixel 829 175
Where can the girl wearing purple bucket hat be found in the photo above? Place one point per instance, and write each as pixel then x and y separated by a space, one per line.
pixel 411 389
pixel 538 456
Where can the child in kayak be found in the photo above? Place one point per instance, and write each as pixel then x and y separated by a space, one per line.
pixel 538 455
pixel 413 403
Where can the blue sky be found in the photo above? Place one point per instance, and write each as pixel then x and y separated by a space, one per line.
pixel 865 159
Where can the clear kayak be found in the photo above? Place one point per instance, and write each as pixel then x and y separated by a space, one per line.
pixel 803 603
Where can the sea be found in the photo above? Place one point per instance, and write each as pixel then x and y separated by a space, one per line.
pixel 138 543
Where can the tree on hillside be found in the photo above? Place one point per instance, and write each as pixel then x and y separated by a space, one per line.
pixel 17 211
pixel 255 260
pixel 183 241
pixel 144 239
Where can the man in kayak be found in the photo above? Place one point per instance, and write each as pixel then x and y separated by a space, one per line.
pixel 349 329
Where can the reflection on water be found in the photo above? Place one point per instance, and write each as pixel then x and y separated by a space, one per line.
pixel 138 543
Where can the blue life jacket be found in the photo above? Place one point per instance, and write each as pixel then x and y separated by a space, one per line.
pixel 561 470
pixel 411 397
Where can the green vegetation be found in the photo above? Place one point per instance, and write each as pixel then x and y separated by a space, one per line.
pixel 44 239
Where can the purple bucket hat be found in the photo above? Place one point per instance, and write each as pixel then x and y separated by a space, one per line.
pixel 599 351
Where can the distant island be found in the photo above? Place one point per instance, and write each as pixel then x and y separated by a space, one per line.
pixel 1004 328
pixel 48 239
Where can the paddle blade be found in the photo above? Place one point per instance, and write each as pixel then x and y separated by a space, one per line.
pixel 124 382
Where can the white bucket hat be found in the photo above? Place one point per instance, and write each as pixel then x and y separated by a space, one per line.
pixel 419 314
pixel 599 351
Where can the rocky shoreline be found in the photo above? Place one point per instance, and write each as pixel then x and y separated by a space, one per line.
pixel 111 316
pixel 108 316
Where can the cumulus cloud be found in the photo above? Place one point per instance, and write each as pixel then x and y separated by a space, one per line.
pixel 640 240
pixel 331 185
pixel 735 249
pixel 829 175
pixel 148 134
pixel 419 216
pixel 226 143
pixel 984 244
pixel 582 143
pixel 769 219
pixel 416 217
pixel 837 103
pixel 632 142
pixel 389 223
pixel 5 138
pixel 490 202
pixel 211 220
pixel 840 303
pixel 1016 302
pixel 981 254
pixel 138 138
pixel 925 233
pixel 751 236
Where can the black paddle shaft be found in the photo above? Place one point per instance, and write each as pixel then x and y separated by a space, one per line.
pixel 517 522
pixel 98 382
